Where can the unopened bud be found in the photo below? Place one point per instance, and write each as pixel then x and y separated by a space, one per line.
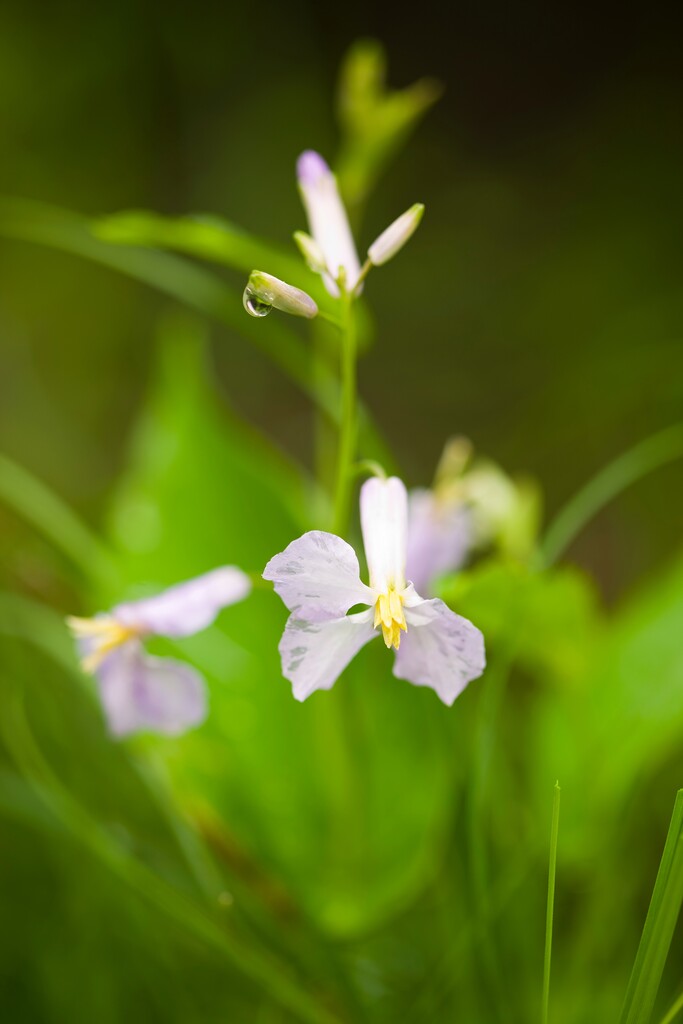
pixel 395 236
pixel 265 292
pixel 311 252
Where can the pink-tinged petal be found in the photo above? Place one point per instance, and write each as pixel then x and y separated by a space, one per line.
pixel 327 219
pixel 440 649
pixel 384 522
pixel 139 692
pixel 188 607
pixel 314 654
pixel 439 538
pixel 318 577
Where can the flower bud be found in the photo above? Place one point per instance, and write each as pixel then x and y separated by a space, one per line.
pixel 395 236
pixel 265 292
pixel 311 252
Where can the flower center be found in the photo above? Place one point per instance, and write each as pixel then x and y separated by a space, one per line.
pixel 99 637
pixel 390 616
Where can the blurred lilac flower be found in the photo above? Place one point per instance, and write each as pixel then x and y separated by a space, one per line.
pixel 318 578
pixel 440 536
pixel 139 691
pixel 331 251
pixel 473 504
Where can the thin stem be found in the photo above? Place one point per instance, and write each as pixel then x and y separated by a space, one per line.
pixel 368 466
pixel 349 427
pixel 663 447
pixel 365 270
pixel 674 1010
pixel 554 830
pixel 330 319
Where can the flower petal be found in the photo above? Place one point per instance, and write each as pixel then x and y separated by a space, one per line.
pixel 187 607
pixel 396 235
pixel 384 521
pixel 318 577
pixel 439 538
pixel 314 654
pixel 327 219
pixel 141 692
pixel 441 649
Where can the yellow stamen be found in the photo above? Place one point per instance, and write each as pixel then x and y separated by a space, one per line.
pixel 105 633
pixel 390 616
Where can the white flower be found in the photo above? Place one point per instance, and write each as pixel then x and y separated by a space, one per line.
pixel 141 692
pixel 318 578
pixel 396 235
pixel 332 251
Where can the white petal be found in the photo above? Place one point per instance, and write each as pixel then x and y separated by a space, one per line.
pixel 440 649
pixel 327 219
pixel 187 607
pixel 318 577
pixel 395 236
pixel 439 538
pixel 384 521
pixel 314 654
pixel 141 692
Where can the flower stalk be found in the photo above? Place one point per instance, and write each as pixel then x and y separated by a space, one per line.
pixel 348 431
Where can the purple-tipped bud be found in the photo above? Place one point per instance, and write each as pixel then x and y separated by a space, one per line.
pixel 328 223
pixel 310 167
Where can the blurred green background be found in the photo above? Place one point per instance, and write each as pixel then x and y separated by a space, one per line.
pixel 368 855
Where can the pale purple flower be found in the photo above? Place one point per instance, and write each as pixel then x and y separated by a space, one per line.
pixel 139 691
pixel 327 220
pixel 318 578
pixel 440 536
pixel 331 250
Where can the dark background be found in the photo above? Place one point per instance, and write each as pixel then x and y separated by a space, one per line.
pixel 538 310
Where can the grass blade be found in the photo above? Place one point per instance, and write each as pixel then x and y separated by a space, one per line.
pixel 646 456
pixel 673 1011
pixel 661 920
pixel 552 866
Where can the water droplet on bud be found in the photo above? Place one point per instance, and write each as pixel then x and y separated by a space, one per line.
pixel 253 305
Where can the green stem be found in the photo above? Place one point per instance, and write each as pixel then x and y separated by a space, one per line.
pixel 348 427
pixel 554 830
pixel 673 1011
pixel 646 456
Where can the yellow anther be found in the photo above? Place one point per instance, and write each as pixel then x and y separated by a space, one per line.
pixel 104 634
pixel 390 616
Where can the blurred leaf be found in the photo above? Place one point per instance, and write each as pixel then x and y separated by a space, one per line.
pixel 626 705
pixel 197 288
pixel 173 903
pixel 627 469
pixel 179 278
pixel 212 238
pixel 661 920
pixel 550 620
pixel 375 121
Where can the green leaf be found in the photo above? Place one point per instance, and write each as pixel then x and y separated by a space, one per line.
pixel 35 503
pixel 198 289
pixel 212 238
pixel 551 620
pixel 659 927
pixel 376 121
